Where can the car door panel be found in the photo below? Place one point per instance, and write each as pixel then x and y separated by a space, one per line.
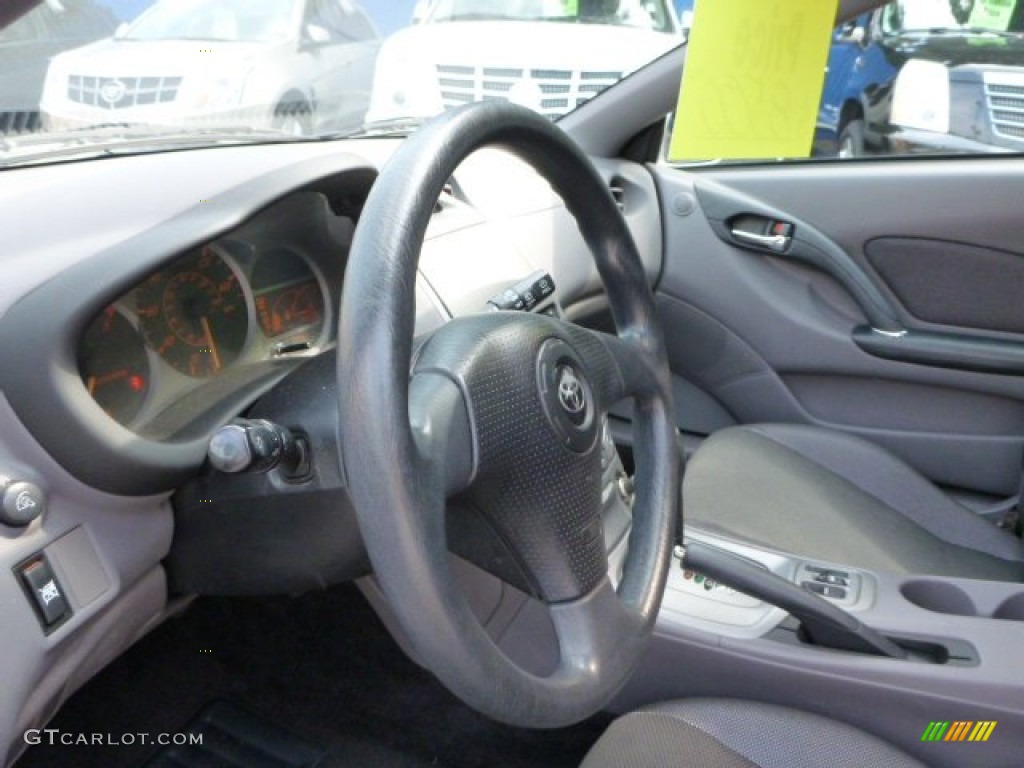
pixel 772 338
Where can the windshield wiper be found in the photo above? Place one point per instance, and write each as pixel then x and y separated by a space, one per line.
pixel 119 139
pixel 392 126
pixel 198 38
pixel 478 16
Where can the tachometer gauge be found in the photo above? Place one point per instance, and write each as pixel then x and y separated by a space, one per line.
pixel 113 365
pixel 194 314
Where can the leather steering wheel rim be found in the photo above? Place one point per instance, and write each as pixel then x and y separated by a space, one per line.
pixel 399 478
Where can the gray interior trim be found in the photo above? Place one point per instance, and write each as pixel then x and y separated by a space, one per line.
pixel 951 283
pixel 138 610
pixel 797 324
pixel 961 351
pixel 722 206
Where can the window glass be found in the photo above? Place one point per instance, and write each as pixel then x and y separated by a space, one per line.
pixel 923 77
pixel 115 71
pixel 251 20
pixel 645 14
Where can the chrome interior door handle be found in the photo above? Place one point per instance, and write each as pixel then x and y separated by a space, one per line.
pixel 777 243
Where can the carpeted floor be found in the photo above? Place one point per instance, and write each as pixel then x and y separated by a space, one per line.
pixel 322 666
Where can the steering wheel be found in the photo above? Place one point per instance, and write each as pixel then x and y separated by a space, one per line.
pixel 504 411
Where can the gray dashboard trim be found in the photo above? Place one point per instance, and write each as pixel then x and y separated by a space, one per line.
pixel 53 404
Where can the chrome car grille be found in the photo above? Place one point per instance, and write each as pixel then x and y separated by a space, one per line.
pixel 1006 108
pixel 122 92
pixel 19 122
pixel 553 92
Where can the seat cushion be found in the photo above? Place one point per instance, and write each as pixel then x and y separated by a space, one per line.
pixel 723 733
pixel 830 496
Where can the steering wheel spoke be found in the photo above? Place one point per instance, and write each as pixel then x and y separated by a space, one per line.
pixel 623 369
pixel 441 430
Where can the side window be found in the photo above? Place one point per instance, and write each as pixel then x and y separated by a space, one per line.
pixel 930 77
pixel 924 77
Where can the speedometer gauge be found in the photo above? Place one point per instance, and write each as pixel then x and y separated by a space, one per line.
pixel 113 365
pixel 194 314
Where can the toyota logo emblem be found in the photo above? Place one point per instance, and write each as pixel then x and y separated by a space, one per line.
pixel 571 394
pixel 113 91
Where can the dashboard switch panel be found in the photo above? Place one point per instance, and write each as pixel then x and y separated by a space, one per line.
pixel 45 592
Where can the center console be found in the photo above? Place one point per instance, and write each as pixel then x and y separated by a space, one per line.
pixel 965 641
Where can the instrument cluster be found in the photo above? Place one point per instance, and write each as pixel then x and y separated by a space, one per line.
pixel 214 312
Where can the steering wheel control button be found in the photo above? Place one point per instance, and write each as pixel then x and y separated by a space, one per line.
pixel 526 295
pixel 567 397
pixel 509 300
pixel 22 502
pixel 45 592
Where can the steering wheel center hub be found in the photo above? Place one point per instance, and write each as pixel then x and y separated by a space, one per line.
pixel 566 396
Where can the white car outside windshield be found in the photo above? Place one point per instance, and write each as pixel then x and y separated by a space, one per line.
pixel 549 55
pixel 297 66
pixel 198 72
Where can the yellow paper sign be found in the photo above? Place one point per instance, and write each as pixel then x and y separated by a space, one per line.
pixel 992 14
pixel 753 79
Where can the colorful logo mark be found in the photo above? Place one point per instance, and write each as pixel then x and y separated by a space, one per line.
pixel 959 730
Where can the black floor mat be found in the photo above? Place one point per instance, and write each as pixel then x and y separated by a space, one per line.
pixel 226 736
pixel 321 667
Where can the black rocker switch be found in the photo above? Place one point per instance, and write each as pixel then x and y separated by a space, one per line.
pixel 46 593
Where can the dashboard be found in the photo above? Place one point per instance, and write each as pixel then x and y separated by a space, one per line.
pixel 228 309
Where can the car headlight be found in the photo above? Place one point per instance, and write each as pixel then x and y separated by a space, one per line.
pixel 921 96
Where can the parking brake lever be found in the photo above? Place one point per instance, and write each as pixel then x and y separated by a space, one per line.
pixel 825 624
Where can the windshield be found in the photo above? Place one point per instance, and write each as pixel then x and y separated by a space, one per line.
pixel 635 13
pixel 228 20
pixel 110 76
pixel 951 16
